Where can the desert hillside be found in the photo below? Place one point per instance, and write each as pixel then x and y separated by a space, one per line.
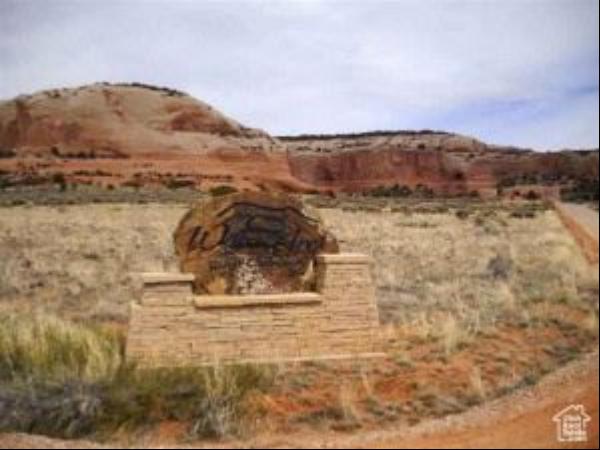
pixel 138 135
pixel 477 298
pixel 133 135
pixel 119 120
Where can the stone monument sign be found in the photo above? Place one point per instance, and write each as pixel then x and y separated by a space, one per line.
pixel 251 243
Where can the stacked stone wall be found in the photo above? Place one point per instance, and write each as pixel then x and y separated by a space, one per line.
pixel 171 326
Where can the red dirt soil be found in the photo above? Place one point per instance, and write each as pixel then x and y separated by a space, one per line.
pixel 531 428
pixel 582 222
pixel 521 420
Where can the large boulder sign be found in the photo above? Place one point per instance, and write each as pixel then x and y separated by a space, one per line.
pixel 251 243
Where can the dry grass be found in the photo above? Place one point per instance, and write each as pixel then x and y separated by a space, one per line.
pixel 46 348
pixel 419 381
pixel 435 268
pixel 452 335
pixel 477 383
pixel 450 280
pixel 452 276
pixel 591 323
pixel 347 404
pixel 78 261
pixel 70 380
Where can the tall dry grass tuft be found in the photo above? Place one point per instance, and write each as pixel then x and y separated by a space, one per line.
pixel 221 410
pixel 453 335
pixel 591 323
pixel 46 348
pixel 477 383
pixel 347 404
pixel 69 380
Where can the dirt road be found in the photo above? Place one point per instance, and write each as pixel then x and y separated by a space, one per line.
pixel 521 422
pixel 586 216
pixel 583 224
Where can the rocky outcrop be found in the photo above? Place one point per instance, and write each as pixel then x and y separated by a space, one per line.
pixel 364 170
pixel 384 140
pixel 121 119
pixel 140 135
pixel 444 163
pixel 250 243
pixel 431 160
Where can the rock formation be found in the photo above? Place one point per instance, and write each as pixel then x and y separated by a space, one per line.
pixel 140 135
pixel 251 243
pixel 121 120
pixel 446 163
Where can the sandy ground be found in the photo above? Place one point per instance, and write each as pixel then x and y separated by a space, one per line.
pixel 583 224
pixel 586 216
pixel 521 420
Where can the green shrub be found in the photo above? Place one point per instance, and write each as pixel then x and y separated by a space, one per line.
pixel 500 267
pixel 5 180
pixel 175 183
pixel 582 191
pixel 221 190
pixel 424 191
pixel 59 178
pixel 66 411
pixel 393 191
pixel 463 214
pixel 524 212
pixel 210 399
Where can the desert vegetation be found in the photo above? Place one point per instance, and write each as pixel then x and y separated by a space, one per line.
pixel 46 193
pixel 582 191
pixel 479 259
pixel 433 257
pixel 477 300
pixel 221 190
pixel 70 380
pixel 378 133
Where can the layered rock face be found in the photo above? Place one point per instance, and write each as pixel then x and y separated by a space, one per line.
pixel 448 164
pixel 354 163
pixel 384 140
pixel 139 135
pixel 547 167
pixel 364 170
pixel 251 243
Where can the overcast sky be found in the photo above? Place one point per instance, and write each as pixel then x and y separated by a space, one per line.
pixel 521 72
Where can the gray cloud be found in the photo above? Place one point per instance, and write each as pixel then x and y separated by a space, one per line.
pixel 519 72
